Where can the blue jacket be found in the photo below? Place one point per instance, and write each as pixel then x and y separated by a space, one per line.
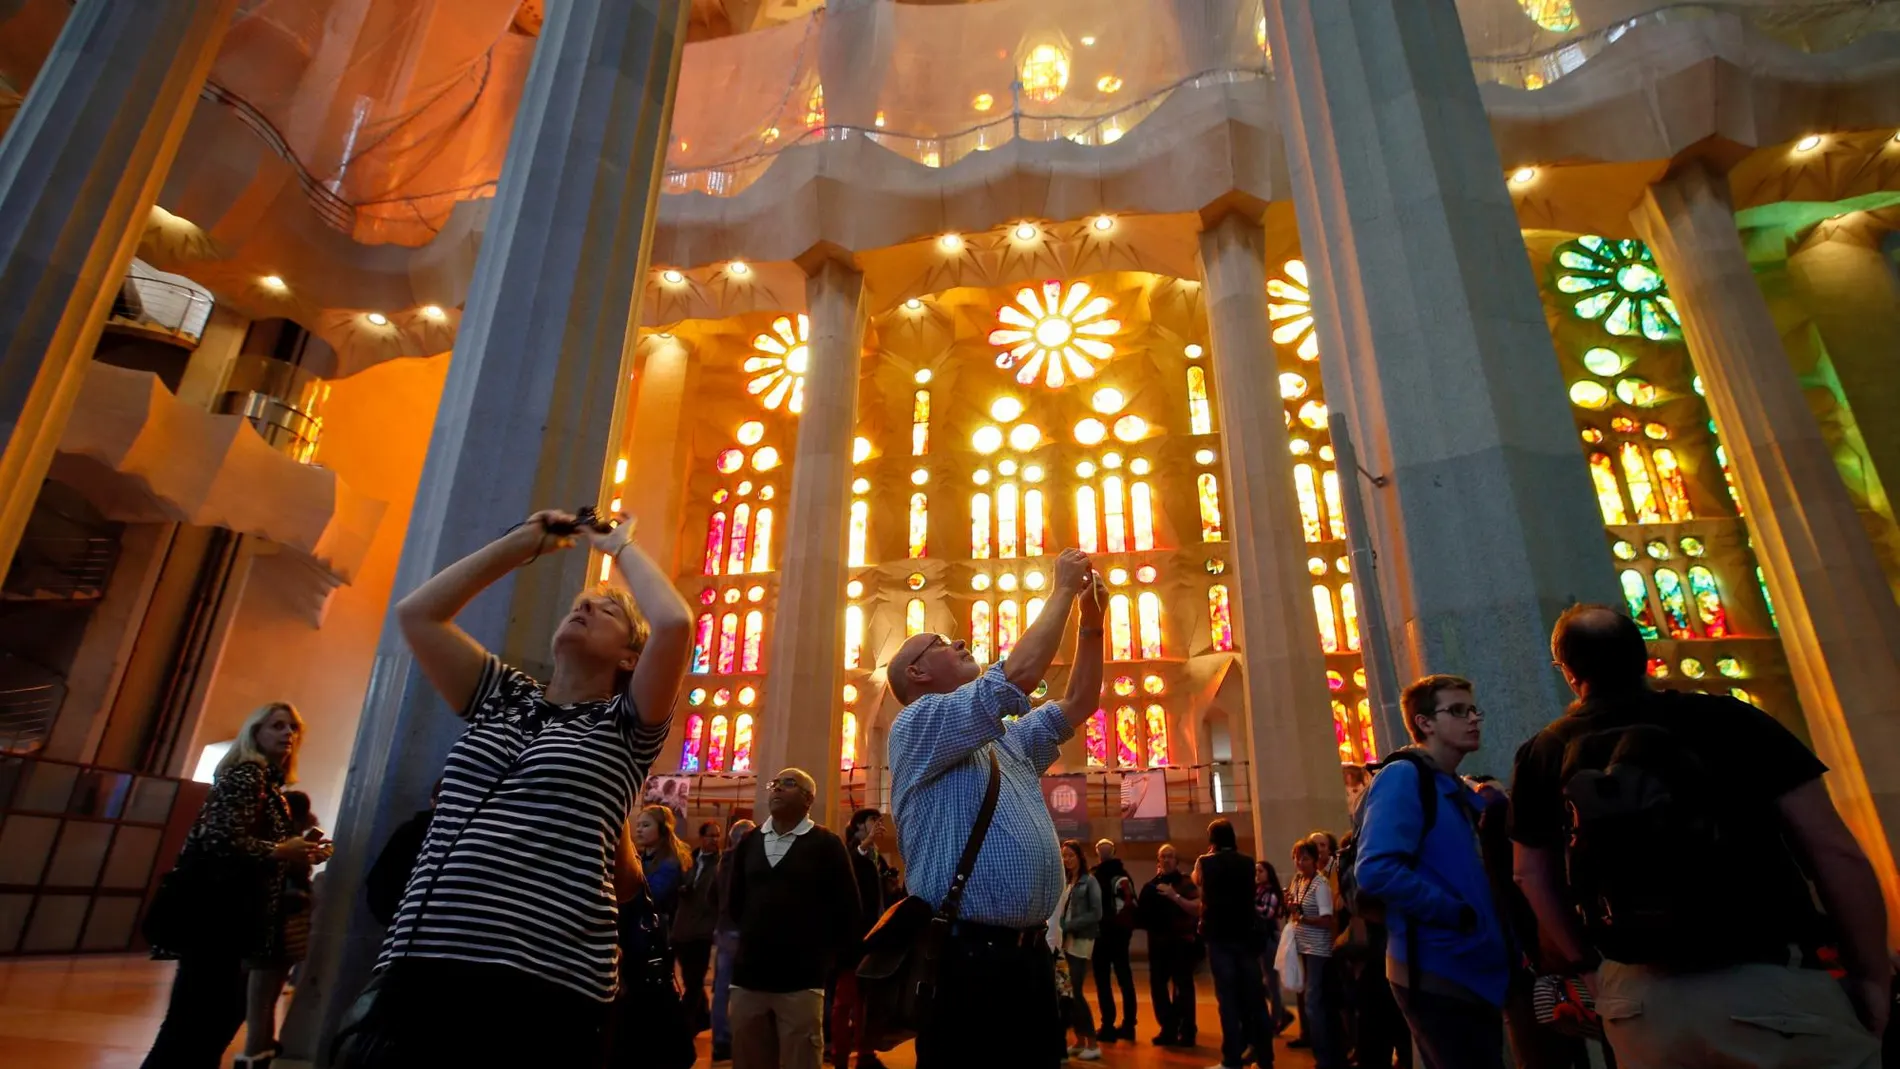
pixel 1449 875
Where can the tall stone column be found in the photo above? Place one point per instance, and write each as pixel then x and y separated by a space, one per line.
pixel 1293 762
pixel 656 470
pixel 79 170
pixel 1433 344
pixel 524 423
pixel 1839 624
pixel 800 726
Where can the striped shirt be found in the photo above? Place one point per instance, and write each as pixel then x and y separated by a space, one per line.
pixel 940 767
pixel 1314 898
pixel 529 883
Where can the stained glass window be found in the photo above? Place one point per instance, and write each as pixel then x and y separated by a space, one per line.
pixel 1675 607
pixel 1291 310
pixel 741 530
pixel 1609 496
pixel 1556 16
pixel 1031 610
pixel 1157 737
pixel 1636 600
pixel 1141 500
pixel 1308 491
pixel 728 642
pixel 1728 477
pixel 853 635
pixel 1127 737
pixel 1220 621
pixel 1121 643
pixel 1335 508
pixel 1209 488
pixel 920 424
pixel 778 364
pixel 848 742
pixel 716 745
pixel 980 631
pixel 980 526
pixel 914 617
pixel 1669 480
pixel 1342 733
pixel 1095 739
pixel 689 753
pixel 1008 626
pixel 1768 601
pixel 1114 514
pixel 1032 523
pixel 715 543
pixel 762 541
pixel 860 524
pixel 1085 527
pixel 1054 336
pixel 1708 602
pixel 1006 502
pixel 754 641
pixel 1349 615
pixel 703 645
pixel 1616 281
pixel 919 526
pixel 1200 417
pixel 1636 477
pixel 742 743
pixel 1148 605
pixel 1328 626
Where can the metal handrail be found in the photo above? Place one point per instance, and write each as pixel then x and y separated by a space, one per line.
pixel 189 325
pixel 61 568
pixel 30 697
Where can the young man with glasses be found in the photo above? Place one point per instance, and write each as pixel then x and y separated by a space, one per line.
pixel 996 995
pixel 1446 957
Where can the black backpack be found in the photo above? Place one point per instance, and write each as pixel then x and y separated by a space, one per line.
pixel 1647 845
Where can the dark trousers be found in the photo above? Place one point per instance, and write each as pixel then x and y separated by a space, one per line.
pixel 1245 1023
pixel 1110 962
pixel 1171 986
pixel 474 1014
pixel 206 1008
pixel 996 1008
pixel 1319 1015
pixel 695 958
pixel 1453 1033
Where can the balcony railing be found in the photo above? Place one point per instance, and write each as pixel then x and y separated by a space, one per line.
pixel 61 568
pixel 163 308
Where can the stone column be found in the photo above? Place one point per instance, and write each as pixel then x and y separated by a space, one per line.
pixel 656 470
pixel 79 170
pixel 1434 346
pixel 524 423
pixel 1839 624
pixel 1292 760
pixel 800 726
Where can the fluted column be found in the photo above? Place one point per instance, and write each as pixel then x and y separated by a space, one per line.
pixel 1434 346
pixel 525 422
pixel 80 168
pixel 1839 624
pixel 800 726
pixel 1293 762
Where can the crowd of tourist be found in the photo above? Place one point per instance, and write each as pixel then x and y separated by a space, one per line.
pixel 1665 878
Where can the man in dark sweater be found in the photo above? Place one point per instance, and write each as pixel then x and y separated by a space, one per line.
pixel 1232 933
pixel 795 899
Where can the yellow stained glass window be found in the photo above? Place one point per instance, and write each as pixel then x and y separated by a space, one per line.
pixel 980 526
pixel 1335 508
pixel 715 543
pixel 1200 417
pixel 1636 477
pixel 1220 618
pixel 741 530
pixel 742 743
pixel 1209 488
pixel 1149 607
pixel 848 742
pixel 762 541
pixel 1349 615
pixel 1085 526
pixel 1114 514
pixel 1157 718
pixel 920 424
pixel 754 641
pixel 980 631
pixel 1032 523
pixel 860 532
pixel 1609 496
pixel 1127 737
pixel 1669 480
pixel 1308 489
pixel 728 642
pixel 1554 15
pixel 919 526
pixel 853 636
pixel 914 617
pixel 716 744
pixel 1008 626
pixel 1328 624
pixel 1121 640
pixel 1031 610
pixel 1142 502
pixel 1006 504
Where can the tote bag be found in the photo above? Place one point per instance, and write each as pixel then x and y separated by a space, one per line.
pixel 1286 961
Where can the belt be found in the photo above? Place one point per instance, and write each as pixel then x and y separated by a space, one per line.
pixel 992 935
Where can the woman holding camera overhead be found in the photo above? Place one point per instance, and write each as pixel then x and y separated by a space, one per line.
pixel 503 951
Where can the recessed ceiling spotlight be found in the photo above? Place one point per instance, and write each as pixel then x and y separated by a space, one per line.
pixel 951 243
pixel 432 311
pixel 1523 175
pixel 1808 143
pixel 377 319
pixel 672 277
pixel 1026 231
pixel 738 267
pixel 913 304
pixel 272 282
pixel 1104 222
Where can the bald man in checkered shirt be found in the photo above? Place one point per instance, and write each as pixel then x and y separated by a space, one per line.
pixel 996 1001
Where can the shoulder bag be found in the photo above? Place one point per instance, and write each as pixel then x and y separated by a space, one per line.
pixel 903 953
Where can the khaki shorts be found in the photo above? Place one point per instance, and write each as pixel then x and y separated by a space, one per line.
pixel 1757 1016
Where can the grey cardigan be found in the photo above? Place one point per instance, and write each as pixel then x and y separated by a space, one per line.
pixel 1083 919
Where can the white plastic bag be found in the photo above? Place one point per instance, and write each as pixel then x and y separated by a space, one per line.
pixel 1286 961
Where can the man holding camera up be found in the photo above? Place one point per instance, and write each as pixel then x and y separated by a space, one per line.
pixel 996 998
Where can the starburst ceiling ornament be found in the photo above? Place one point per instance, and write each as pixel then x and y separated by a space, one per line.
pixel 1617 282
pixel 1291 310
pixel 778 368
pixel 1055 336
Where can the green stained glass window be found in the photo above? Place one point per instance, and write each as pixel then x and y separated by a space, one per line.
pixel 1617 283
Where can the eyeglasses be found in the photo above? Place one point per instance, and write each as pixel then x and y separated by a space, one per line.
pixel 790 783
pixel 1460 712
pixel 896 670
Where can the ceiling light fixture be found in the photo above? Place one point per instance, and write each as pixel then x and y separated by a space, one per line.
pixel 738 267
pixel 432 311
pixel 672 277
pixel 1523 175
pixel 272 282
pixel 951 243
pixel 1104 222
pixel 1026 232
pixel 1808 143
pixel 913 304
pixel 377 319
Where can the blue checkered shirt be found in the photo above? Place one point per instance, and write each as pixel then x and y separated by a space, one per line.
pixel 939 760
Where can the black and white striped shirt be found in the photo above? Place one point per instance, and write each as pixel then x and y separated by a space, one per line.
pixel 529 883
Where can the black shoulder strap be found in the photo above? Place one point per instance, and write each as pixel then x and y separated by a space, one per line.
pixel 953 899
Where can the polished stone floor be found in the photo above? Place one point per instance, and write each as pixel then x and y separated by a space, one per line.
pixel 100 1012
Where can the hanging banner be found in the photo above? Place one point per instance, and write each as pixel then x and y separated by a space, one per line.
pixel 669 791
pixel 1067 799
pixel 1145 807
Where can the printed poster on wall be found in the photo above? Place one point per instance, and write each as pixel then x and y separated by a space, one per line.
pixel 1067 799
pixel 1145 806
pixel 669 791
